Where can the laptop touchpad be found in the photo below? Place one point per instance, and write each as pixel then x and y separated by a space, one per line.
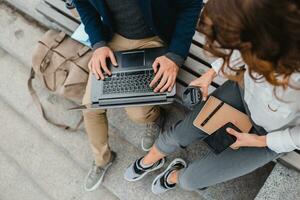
pixel 133 59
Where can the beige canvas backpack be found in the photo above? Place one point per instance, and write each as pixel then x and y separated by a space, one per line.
pixel 61 63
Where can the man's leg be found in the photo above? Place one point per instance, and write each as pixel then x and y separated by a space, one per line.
pixel 96 126
pixel 96 123
pixel 143 114
pixel 96 120
pixel 140 114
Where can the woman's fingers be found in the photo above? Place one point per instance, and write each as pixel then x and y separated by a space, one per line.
pixel 232 132
pixel 204 90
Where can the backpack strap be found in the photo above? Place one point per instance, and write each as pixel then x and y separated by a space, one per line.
pixel 40 107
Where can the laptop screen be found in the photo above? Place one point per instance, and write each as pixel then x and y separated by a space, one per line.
pixel 133 59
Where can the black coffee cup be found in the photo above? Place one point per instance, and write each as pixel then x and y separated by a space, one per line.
pixel 191 96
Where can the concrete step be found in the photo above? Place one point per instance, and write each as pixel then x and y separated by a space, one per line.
pixel 20 35
pixel 16 183
pixel 283 183
pixel 29 7
pixel 53 171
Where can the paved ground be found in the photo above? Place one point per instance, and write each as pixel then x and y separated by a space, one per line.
pixel 39 161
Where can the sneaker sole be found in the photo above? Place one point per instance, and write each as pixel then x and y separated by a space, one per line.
pixel 144 149
pixel 170 165
pixel 142 176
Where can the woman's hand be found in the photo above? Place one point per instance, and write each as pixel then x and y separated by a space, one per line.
pixel 246 139
pixel 204 82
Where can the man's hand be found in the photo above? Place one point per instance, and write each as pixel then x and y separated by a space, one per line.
pixel 98 65
pixel 204 82
pixel 166 70
pixel 246 139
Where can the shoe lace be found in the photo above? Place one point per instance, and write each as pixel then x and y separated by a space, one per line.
pixel 152 128
pixel 95 171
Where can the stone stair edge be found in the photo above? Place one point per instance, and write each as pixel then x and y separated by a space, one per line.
pixel 39 152
pixel 15 173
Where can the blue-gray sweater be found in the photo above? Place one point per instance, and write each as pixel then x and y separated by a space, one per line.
pixel 172 20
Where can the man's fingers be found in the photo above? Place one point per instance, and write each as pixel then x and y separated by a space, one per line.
pixel 104 65
pixel 90 65
pixel 98 70
pixel 155 65
pixel 156 78
pixel 94 70
pixel 167 85
pixel 113 58
pixel 173 84
pixel 161 83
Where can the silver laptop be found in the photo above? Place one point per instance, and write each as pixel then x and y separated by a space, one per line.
pixel 129 83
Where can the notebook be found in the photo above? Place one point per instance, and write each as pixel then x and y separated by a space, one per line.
pixel 215 114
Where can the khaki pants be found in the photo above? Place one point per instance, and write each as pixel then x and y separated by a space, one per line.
pixel 95 121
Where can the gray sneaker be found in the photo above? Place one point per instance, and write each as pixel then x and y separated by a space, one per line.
pixel 152 131
pixel 136 171
pixel 96 174
pixel 160 184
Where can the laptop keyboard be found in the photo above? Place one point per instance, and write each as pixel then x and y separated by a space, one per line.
pixel 129 82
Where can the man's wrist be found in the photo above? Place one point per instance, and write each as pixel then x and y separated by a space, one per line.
pixel 99 45
pixel 178 60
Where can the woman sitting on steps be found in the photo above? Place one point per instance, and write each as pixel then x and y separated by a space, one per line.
pixel 263 35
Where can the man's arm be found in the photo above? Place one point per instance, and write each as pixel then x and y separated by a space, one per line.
pixel 92 22
pixel 95 30
pixel 166 67
pixel 185 26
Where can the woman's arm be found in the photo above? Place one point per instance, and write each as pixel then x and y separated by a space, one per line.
pixel 284 141
pixel 247 139
pixel 236 61
pixel 279 141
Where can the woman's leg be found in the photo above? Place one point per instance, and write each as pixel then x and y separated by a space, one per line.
pixel 184 133
pixel 179 135
pixel 228 165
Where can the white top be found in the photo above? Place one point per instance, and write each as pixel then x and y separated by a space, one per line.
pixel 279 116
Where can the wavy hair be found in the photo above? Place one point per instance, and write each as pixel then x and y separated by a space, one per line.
pixel 266 32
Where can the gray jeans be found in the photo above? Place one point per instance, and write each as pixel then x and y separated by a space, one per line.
pixel 213 169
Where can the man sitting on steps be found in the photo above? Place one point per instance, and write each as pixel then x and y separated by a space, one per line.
pixel 115 25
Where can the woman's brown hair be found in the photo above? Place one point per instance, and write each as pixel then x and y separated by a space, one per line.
pixel 266 32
